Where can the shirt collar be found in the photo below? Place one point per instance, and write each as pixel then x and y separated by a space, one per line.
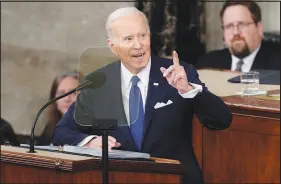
pixel 143 74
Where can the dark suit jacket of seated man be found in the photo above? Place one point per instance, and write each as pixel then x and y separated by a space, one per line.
pixel 267 58
pixel 166 130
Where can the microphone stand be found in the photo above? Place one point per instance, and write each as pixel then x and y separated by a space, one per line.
pixel 104 125
pixel 99 124
pixel 31 149
pixel 104 157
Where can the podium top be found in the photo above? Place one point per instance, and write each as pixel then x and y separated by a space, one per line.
pixel 262 105
pixel 267 106
pixel 217 82
pixel 73 163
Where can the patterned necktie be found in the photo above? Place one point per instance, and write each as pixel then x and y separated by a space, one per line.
pixel 136 112
pixel 239 65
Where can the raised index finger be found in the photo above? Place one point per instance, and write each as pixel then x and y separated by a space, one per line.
pixel 176 59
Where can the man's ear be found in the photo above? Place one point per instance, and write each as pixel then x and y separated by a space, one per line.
pixel 112 46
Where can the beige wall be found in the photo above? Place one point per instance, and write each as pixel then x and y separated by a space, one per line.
pixel 40 40
pixel 214 38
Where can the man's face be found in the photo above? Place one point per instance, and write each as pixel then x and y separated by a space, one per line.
pixel 131 42
pixel 241 35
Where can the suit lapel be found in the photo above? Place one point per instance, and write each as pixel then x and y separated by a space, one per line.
pixel 260 57
pixel 228 59
pixel 156 82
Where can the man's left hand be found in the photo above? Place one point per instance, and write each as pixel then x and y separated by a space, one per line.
pixel 176 75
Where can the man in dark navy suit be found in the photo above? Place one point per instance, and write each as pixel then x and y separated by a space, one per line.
pixel 243 36
pixel 154 100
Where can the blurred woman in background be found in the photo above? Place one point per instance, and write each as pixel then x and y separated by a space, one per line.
pixel 61 85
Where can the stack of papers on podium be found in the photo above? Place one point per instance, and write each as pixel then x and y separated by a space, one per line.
pixel 111 154
pixel 121 154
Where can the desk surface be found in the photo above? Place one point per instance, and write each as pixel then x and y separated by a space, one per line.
pixel 216 82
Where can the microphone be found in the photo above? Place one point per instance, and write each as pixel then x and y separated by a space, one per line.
pixel 92 81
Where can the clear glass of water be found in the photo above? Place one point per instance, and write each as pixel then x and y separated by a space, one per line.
pixel 250 81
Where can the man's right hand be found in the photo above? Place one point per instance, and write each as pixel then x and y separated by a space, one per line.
pixel 97 143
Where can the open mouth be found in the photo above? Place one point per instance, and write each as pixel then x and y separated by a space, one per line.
pixel 138 56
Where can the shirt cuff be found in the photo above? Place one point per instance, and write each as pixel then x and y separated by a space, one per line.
pixel 86 140
pixel 192 93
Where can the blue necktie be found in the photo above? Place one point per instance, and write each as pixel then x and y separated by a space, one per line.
pixel 136 112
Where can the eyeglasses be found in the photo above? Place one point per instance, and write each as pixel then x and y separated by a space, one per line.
pixel 240 26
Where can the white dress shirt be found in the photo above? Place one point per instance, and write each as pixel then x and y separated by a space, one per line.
pixel 126 84
pixel 248 61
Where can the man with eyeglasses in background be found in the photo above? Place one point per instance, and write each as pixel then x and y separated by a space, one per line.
pixel 243 36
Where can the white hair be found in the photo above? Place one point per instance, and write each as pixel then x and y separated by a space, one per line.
pixel 122 12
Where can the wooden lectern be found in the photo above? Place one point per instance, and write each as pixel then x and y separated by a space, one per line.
pixel 249 150
pixel 18 166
